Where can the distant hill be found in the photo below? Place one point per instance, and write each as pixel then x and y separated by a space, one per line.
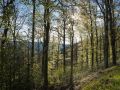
pixel 38 45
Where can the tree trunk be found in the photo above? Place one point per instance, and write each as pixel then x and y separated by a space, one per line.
pixel 91 37
pixel 71 74
pixel 106 38
pixel 46 43
pixel 87 58
pixel 64 51
pixel 96 39
pixel 33 36
pixel 112 31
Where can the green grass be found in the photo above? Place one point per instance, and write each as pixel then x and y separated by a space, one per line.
pixel 109 80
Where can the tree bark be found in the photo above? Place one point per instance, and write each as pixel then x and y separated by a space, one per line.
pixel 33 41
pixel 91 36
pixel 106 38
pixel 96 39
pixel 112 31
pixel 64 51
pixel 46 43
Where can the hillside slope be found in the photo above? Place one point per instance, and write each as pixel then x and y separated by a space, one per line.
pixel 108 79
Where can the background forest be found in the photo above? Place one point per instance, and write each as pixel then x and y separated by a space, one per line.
pixel 53 44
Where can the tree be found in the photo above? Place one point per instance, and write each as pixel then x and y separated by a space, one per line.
pixel 91 34
pixel 105 11
pixel 96 29
pixel 112 30
pixel 64 36
pixel 8 9
pixel 72 50
pixel 46 42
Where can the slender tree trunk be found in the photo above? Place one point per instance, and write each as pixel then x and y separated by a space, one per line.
pixel 72 42
pixel 64 51
pixel 33 36
pixel 46 42
pixel 71 74
pixel 53 48
pixel 87 57
pixel 91 37
pixel 58 49
pixel 96 40
pixel 76 52
pixel 106 38
pixel 112 31
pixel 100 48
pixel 82 60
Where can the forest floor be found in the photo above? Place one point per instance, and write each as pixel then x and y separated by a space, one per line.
pixel 108 79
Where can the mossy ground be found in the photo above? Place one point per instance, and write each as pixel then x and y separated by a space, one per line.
pixel 108 80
